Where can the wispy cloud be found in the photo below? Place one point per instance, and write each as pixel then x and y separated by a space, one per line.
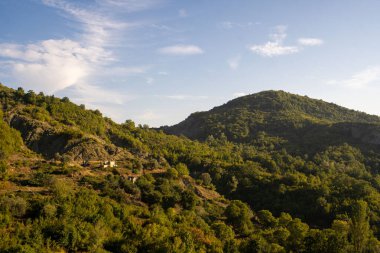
pixel 149 80
pixel 149 115
pixel 98 29
pixel 181 50
pixel 182 13
pixel 275 46
pixel 94 96
pixel 279 34
pixel 110 102
pixel 51 65
pixel 271 49
pixel 186 97
pixel 55 64
pixel 231 25
pixel 125 71
pixel 361 79
pixel 73 66
pixel 239 94
pixel 130 5
pixel 310 41
pixel 234 62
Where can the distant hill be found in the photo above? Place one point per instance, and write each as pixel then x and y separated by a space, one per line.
pixel 299 120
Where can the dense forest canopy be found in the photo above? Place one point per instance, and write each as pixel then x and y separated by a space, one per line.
pixel 269 172
pixel 292 117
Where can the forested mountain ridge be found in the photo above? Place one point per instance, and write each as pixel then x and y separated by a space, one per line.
pixel 299 120
pixel 172 194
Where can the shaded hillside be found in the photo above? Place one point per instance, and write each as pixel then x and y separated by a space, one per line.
pixel 301 121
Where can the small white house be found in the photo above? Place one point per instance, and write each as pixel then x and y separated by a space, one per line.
pixel 132 178
pixel 109 164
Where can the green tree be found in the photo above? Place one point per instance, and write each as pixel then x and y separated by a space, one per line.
pixel 232 184
pixel 206 179
pixel 172 173
pixel 359 226
pixel 189 200
pixel 223 231
pixel 182 169
pixel 3 170
pixel 239 216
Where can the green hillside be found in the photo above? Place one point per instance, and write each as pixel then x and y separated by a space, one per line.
pixel 260 190
pixel 308 125
pixel 10 140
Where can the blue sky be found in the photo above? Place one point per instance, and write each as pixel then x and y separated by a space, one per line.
pixel 157 61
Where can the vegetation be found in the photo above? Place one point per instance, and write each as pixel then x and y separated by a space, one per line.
pixel 307 125
pixel 279 173
pixel 10 140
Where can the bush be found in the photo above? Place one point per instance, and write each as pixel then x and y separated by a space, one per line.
pixel 17 206
pixel 3 170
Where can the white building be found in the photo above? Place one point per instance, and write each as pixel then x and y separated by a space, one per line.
pixel 109 164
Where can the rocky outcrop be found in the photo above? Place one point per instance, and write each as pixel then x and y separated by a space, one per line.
pixel 43 138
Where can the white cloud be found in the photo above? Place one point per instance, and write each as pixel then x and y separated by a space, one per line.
pixel 181 50
pixel 271 49
pixel 13 51
pixel 279 33
pixel 162 27
pixel 130 5
pixel 182 13
pixel 239 94
pixel 310 41
pixel 149 80
pixel 124 71
pixel 73 66
pixel 230 25
pixel 149 115
pixel 55 64
pixel 94 96
pixel 275 46
pixel 186 97
pixel 234 62
pixel 98 28
pixel 360 79
pixel 51 65
pixel 227 25
pixel 110 102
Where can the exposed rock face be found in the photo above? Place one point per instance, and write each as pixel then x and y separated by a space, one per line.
pixel 40 137
pixel 90 149
pixel 44 139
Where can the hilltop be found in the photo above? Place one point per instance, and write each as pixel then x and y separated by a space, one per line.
pixel 298 120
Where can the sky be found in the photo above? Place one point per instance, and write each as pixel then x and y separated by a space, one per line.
pixel 157 61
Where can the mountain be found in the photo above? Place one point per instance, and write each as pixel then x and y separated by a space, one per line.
pixel 298 120
pixel 285 174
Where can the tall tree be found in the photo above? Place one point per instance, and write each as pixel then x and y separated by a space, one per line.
pixel 359 226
